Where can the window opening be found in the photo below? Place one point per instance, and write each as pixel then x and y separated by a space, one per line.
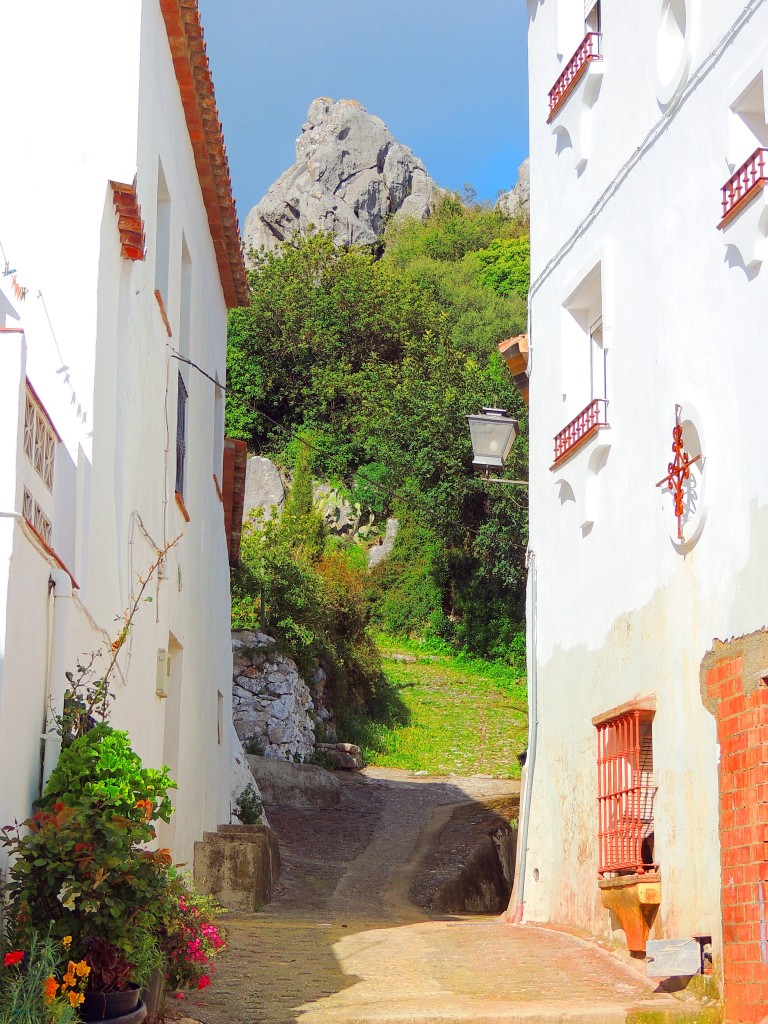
pixel 39 441
pixel 593 21
pixel 162 235
pixel 181 435
pixel 218 430
pixel 598 356
pixel 626 794
pixel 35 515
pixel 186 300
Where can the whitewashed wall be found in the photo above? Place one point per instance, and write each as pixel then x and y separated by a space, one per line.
pixel 116 115
pixel 621 611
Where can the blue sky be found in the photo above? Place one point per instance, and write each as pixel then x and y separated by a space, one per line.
pixel 447 76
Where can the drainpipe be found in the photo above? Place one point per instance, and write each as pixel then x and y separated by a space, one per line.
pixel 62 631
pixel 530 763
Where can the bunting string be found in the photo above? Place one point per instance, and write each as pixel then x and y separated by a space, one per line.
pixel 20 292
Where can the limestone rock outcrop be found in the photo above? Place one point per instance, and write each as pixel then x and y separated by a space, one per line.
pixel 350 175
pixel 264 488
pixel 379 552
pixel 517 202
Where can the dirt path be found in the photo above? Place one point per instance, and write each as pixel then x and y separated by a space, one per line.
pixel 342 944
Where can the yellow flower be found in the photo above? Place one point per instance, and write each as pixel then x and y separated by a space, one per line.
pixel 82 970
pixel 50 988
pixel 66 941
pixel 68 981
pixel 75 998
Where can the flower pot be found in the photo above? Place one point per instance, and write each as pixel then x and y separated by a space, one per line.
pixel 118 1007
pixel 152 995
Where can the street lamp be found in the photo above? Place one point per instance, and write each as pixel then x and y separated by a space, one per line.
pixel 493 433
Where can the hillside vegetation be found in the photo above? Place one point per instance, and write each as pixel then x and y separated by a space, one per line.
pixel 362 365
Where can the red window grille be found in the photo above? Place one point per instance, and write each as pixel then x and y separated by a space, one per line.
pixel 626 793
pixel 580 429
pixel 744 184
pixel 589 50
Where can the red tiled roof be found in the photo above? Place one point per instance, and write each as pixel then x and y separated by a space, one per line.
pixel 185 36
pixel 514 352
pixel 233 491
pixel 129 222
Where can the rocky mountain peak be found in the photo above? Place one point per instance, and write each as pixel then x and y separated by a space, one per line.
pixel 350 175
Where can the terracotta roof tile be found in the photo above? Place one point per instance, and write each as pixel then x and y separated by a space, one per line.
pixel 129 222
pixel 185 36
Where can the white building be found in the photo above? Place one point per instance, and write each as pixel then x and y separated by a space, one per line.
pixel 120 235
pixel 647 618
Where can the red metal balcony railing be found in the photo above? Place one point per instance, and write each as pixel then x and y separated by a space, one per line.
pixel 626 794
pixel 744 185
pixel 589 50
pixel 580 429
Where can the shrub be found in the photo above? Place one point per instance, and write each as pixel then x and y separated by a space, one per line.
pixel 81 869
pixel 248 806
pixel 189 936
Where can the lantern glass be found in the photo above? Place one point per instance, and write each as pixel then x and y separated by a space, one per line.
pixel 493 433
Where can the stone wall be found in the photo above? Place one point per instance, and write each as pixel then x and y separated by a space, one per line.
pixel 272 707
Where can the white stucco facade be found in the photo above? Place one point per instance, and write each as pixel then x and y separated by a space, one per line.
pixel 98 100
pixel 641 301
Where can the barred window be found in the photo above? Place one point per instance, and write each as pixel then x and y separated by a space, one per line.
pixel 181 436
pixel 36 517
pixel 39 441
pixel 626 793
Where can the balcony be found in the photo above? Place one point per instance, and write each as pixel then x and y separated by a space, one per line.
pixel 588 51
pixel 742 187
pixel 580 430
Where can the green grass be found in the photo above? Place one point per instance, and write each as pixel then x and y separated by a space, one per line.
pixel 445 714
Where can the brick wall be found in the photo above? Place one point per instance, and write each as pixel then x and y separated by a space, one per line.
pixel 738 698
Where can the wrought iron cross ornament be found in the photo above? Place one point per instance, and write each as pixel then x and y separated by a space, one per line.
pixel 678 471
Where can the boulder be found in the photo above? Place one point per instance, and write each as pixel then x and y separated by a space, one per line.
pixel 344 756
pixel 350 175
pixel 263 488
pixel 377 554
pixel 304 786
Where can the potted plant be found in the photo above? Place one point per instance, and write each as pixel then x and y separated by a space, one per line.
pixel 40 984
pixel 81 866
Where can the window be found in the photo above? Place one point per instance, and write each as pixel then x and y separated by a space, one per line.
pixel 181 435
pixel 626 793
pixel 584 366
pixel 162 235
pixel 592 16
pixel 218 430
pixel 747 149
pixel 35 515
pixel 185 325
pixel 39 441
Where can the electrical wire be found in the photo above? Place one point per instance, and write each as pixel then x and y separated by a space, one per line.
pixel 387 492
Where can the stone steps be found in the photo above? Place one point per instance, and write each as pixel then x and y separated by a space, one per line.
pixel 239 865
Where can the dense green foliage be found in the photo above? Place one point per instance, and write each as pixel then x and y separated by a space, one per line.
pixel 444 713
pixel 310 598
pixel 377 361
pixel 81 867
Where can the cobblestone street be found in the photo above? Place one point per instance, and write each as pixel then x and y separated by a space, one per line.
pixel 342 943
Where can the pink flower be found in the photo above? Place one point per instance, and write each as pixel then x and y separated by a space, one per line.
pixel 178 995
pixel 11 959
pixel 204 981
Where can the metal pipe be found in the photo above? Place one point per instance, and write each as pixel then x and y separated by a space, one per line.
pixel 533 721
